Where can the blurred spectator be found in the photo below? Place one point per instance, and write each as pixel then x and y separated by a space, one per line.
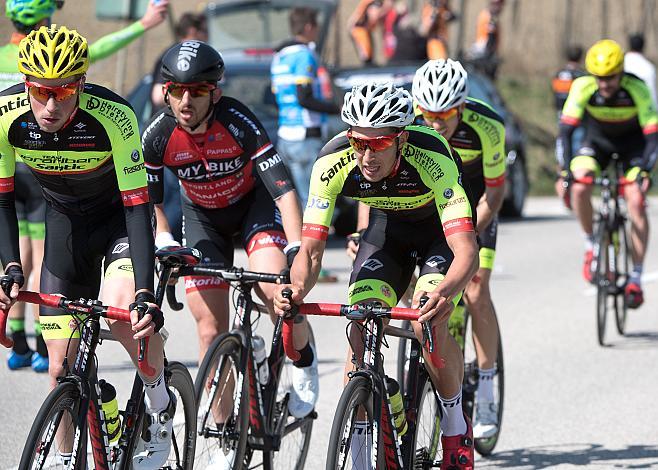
pixel 435 16
pixel 636 63
pixel 190 26
pixel 561 85
pixel 402 40
pixel 27 15
pixel 298 93
pixel 362 22
pixel 484 51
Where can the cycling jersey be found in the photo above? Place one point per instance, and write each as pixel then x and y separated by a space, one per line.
pixel 104 47
pixel 426 182
pixel 561 84
pixel 295 64
pixel 219 167
pixel 90 166
pixel 625 116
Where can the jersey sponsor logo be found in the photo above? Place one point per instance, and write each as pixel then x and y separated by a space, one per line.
pixel 318 203
pixel 213 168
pixel 454 202
pixel 385 290
pixel 120 248
pixel 233 150
pixel 79 126
pixel 152 178
pixel 463 224
pixel 12 105
pixel 359 290
pixel 134 156
pixel 427 162
pixel 132 169
pixel 134 197
pixel 248 121
pixel 6 184
pixel 186 53
pixel 364 185
pixel 126 267
pixel 270 239
pixel 270 162
pixel 34 135
pixel 61 163
pixel 487 126
pixel 182 156
pixel 237 132
pixel 335 169
pixel 45 325
pixel 372 264
pixel 434 261
pixel 201 283
pixel 319 232
pixel 115 114
pixel 448 193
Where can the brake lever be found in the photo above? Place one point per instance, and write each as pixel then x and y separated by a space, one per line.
pixel 171 298
pixel 428 339
pixel 288 325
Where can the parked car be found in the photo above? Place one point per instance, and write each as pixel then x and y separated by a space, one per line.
pixel 247 32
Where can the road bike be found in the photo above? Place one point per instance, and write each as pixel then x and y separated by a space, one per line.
pixel 365 397
pixel 72 414
pixel 611 251
pixel 239 413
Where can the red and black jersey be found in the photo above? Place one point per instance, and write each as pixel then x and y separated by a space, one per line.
pixel 220 166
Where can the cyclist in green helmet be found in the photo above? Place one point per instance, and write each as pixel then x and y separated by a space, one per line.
pixel 29 15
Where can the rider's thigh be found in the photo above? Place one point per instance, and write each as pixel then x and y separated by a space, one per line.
pixel 270 260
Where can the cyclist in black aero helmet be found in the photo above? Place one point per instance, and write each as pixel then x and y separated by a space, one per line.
pixel 232 182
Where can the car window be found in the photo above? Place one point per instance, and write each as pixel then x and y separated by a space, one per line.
pixel 253 90
pixel 252 26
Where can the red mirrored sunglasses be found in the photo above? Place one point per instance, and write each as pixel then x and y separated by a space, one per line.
pixel 42 93
pixel 439 115
pixel 177 90
pixel 375 144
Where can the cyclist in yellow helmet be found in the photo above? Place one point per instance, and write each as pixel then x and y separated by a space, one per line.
pixel 97 215
pixel 26 16
pixel 619 117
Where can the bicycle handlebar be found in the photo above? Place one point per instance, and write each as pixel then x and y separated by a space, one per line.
pixel 81 306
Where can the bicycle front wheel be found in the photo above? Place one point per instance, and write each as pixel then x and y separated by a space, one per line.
pixel 427 439
pixel 222 397
pixel 50 442
pixel 183 439
pixel 350 441
pixel 602 277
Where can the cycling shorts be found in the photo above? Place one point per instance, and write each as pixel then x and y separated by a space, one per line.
pixel 388 254
pixel 254 218
pixel 78 249
pixel 30 204
pixel 487 242
pixel 596 151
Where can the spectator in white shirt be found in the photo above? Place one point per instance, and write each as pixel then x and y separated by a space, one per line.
pixel 637 64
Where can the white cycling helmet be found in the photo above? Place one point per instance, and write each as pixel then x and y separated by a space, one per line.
pixel 378 105
pixel 440 85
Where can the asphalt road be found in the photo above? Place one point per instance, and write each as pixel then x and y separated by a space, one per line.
pixel 568 401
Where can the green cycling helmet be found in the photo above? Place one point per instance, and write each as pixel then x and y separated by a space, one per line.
pixel 29 12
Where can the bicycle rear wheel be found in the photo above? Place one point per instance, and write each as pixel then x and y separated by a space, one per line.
pixel 295 433
pixel 183 439
pixel 222 397
pixel 350 446
pixel 427 439
pixel 603 283
pixel 52 433
pixel 622 263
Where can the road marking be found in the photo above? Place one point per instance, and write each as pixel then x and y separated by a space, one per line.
pixel 647 278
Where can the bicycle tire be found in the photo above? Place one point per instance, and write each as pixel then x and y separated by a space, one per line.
pixel 63 398
pixel 426 442
pixel 602 277
pixel 294 445
pixel 485 446
pixel 183 434
pixel 621 277
pixel 356 394
pixel 214 444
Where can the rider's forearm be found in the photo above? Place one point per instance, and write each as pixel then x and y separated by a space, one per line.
pixel 563 149
pixel 363 216
pixel 650 148
pixel 306 268
pixel 111 43
pixel 463 266
pixel 489 205
pixel 291 215
pixel 9 247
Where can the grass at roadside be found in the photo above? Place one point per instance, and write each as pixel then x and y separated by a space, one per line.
pixel 531 101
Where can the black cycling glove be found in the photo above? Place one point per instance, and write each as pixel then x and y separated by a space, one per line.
pixel 13 275
pixel 141 303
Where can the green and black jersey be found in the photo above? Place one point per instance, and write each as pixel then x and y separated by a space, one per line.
pixel 426 181
pixel 89 167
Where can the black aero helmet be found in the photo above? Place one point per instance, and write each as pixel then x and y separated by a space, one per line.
pixel 192 62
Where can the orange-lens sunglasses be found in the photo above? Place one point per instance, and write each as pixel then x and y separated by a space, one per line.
pixel 439 115
pixel 42 93
pixel 375 144
pixel 177 90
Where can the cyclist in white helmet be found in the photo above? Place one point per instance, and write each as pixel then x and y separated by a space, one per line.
pixel 477 133
pixel 409 177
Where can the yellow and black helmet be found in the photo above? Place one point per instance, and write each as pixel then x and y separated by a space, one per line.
pixel 605 58
pixel 53 52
